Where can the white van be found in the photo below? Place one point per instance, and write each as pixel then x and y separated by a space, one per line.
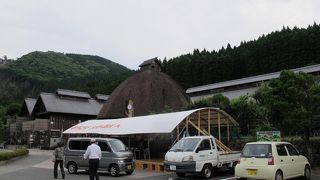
pixel 198 154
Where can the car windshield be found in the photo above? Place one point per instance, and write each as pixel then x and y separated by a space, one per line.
pixel 257 150
pixel 185 145
pixel 117 146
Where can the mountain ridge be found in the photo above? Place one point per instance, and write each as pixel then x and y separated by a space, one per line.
pixel 46 71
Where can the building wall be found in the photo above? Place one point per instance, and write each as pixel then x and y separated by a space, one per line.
pixel 231 94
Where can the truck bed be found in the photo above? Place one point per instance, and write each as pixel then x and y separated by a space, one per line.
pixel 227 157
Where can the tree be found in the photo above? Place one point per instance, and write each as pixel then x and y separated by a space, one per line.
pixel 13 109
pixel 217 101
pixel 2 122
pixel 248 114
pixel 285 49
pixel 293 101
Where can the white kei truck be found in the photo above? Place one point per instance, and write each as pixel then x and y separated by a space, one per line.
pixel 198 154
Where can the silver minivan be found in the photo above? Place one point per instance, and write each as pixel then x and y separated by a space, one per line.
pixel 116 157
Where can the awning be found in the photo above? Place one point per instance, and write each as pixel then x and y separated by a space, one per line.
pixel 158 123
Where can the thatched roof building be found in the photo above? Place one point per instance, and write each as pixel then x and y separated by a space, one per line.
pixel 148 91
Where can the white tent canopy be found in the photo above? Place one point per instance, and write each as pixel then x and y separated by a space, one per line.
pixel 159 123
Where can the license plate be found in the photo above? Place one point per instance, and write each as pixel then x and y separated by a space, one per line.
pixel 173 167
pixel 252 172
pixel 129 167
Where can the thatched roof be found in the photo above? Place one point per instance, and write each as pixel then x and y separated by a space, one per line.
pixel 151 92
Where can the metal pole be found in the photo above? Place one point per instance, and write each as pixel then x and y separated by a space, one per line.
pixel 199 122
pixel 219 126
pixel 209 121
pixel 228 130
pixel 149 147
pixel 129 141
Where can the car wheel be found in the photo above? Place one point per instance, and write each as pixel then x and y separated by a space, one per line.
pixel 129 172
pixel 206 171
pixel 72 168
pixel 231 169
pixel 180 174
pixel 307 173
pixel 278 176
pixel 114 170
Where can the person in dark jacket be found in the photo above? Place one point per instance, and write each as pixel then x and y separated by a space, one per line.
pixel 58 160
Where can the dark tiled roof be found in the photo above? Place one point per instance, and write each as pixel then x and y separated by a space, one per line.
pixel 102 97
pixel 30 104
pixel 150 61
pixel 70 93
pixel 54 103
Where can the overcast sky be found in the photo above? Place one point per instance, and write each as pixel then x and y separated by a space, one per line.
pixel 129 32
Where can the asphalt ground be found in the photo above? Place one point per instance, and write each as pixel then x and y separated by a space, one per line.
pixel 38 166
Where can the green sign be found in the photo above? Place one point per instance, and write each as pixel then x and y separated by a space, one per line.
pixel 268 136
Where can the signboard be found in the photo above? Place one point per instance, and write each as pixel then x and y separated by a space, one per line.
pixel 268 136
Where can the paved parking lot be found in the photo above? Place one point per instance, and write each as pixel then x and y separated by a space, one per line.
pixel 38 166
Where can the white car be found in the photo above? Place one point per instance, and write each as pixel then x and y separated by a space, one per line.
pixel 272 160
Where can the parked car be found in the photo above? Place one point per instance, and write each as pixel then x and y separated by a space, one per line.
pixel 198 154
pixel 116 157
pixel 2 145
pixel 272 160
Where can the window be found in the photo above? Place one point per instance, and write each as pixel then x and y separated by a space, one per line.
pixel 85 144
pixel 104 146
pixel 78 145
pixel 281 150
pixel 117 145
pixel 185 145
pixel 212 144
pixel 75 145
pixel 292 151
pixel 204 145
pixel 257 150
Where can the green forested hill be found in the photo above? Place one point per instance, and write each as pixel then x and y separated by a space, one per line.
pixel 285 49
pixel 46 66
pixel 47 71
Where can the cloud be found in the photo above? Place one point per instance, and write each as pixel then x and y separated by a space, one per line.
pixel 129 32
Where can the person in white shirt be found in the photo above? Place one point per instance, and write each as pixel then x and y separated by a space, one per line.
pixel 93 153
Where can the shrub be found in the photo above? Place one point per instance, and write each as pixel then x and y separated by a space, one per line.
pixel 6 155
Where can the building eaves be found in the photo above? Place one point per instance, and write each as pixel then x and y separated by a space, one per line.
pixel 102 97
pixel 70 93
pixel 252 79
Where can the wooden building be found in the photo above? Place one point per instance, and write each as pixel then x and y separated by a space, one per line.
pixel 44 119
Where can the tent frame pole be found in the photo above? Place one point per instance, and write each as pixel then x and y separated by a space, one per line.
pixel 199 122
pixel 209 122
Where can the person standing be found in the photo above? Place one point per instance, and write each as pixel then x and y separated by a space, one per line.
pixel 58 160
pixel 93 153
